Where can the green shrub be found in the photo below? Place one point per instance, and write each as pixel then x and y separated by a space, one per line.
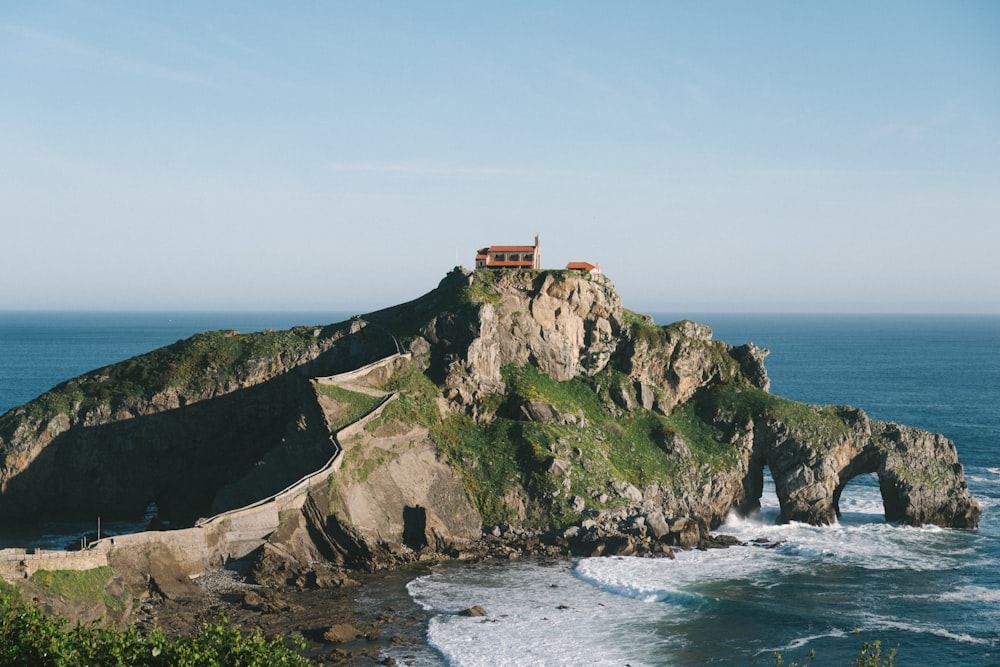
pixel 30 638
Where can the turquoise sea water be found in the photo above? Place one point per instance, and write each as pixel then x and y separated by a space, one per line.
pixel 933 593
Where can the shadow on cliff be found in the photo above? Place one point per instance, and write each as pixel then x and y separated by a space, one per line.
pixel 193 461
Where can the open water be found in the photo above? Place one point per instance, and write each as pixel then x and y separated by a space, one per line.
pixel 933 593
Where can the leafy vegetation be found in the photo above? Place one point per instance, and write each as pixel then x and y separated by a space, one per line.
pixel 30 638
pixel 870 656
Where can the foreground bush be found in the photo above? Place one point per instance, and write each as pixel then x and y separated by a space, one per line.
pixel 30 638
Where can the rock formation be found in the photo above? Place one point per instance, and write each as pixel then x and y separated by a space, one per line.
pixel 534 404
pixel 189 427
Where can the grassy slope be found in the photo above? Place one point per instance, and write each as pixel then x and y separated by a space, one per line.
pixel 193 365
pixel 508 454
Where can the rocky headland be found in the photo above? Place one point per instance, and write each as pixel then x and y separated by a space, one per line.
pixel 529 413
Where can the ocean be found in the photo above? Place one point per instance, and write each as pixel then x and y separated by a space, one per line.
pixel 933 594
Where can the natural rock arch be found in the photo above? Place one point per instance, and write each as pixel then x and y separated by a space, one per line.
pixel 919 477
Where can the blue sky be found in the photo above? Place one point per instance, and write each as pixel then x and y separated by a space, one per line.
pixel 711 156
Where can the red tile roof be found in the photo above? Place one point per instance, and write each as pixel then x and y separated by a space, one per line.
pixel 582 266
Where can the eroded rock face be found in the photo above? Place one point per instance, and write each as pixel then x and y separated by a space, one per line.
pixel 566 325
pixel 922 481
pixel 237 440
pixel 679 359
pixel 920 478
pixel 384 504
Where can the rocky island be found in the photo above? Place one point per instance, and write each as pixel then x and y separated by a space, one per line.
pixel 503 413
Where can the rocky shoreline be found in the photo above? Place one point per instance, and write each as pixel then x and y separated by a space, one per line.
pixel 354 617
pixel 530 416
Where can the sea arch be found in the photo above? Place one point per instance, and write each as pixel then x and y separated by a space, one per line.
pixel 809 478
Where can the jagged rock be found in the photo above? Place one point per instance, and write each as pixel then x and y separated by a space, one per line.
pixel 342 632
pixel 566 325
pixel 267 603
pixel 751 360
pixel 646 396
pixel 919 475
pixel 475 611
pixel 547 413
pixel 399 494
pixel 622 396
pixel 560 468
pixel 627 491
pixel 911 457
pixel 686 532
pixel 657 524
pixel 673 445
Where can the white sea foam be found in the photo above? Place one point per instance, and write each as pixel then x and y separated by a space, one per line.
pixel 537 616
pixel 800 642
pixel 882 624
pixel 647 611
pixel 979 594
pixel 984 476
pixel 674 581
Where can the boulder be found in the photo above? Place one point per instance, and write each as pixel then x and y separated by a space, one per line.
pixel 627 491
pixel 342 632
pixel 474 611
pixel 656 524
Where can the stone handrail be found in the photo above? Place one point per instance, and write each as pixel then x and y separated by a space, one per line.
pixel 348 376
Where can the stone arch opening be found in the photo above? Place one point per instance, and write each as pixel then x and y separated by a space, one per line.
pixel 867 473
pixel 753 487
pixel 761 500
pixel 814 493
pixel 856 506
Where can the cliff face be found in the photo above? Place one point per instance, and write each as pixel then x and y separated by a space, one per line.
pixel 176 427
pixel 561 324
pixel 532 400
pixel 557 407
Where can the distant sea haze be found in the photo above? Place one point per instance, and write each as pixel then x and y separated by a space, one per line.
pixel 933 593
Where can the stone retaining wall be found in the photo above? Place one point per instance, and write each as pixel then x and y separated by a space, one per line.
pixel 22 563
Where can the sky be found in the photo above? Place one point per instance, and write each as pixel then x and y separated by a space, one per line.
pixel 711 156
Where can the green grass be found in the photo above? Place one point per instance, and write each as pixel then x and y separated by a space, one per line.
pixel 355 405
pixel 88 586
pixel 509 456
pixel 197 365
pixel 741 404
pixel 360 465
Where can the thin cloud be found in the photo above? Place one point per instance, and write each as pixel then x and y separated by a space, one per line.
pixel 911 131
pixel 82 56
pixel 418 169
pixel 593 84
